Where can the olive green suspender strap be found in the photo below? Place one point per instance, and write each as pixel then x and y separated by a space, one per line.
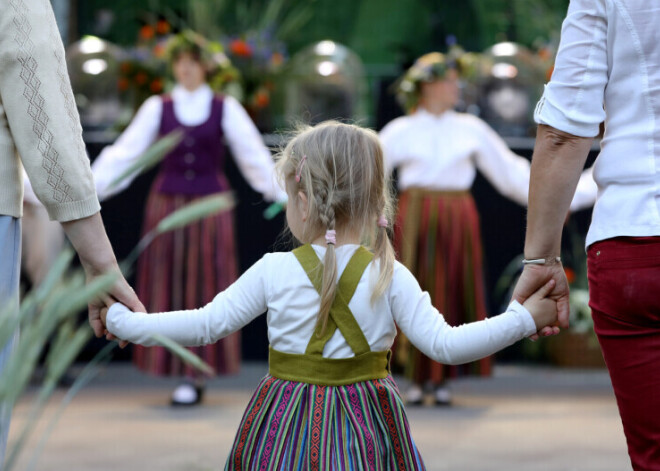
pixel 340 316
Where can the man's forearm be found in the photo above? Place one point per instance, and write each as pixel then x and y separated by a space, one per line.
pixel 557 162
pixel 90 241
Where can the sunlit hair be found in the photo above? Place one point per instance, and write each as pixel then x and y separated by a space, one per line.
pixel 343 177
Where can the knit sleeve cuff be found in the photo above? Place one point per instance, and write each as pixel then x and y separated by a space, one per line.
pixel 73 210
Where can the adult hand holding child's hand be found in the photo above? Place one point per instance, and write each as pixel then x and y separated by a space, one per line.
pixel 534 277
pixel 542 306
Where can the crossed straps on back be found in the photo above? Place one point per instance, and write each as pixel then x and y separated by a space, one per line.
pixel 311 367
pixel 340 316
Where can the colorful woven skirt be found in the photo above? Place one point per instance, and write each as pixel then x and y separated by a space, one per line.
pixel 185 269
pixel 437 237
pixel 299 426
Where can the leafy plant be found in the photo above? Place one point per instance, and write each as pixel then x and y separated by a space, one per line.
pixel 50 312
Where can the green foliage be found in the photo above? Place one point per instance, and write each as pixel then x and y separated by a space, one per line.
pixel 49 312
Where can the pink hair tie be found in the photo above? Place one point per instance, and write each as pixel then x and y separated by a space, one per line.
pixel 382 221
pixel 299 169
pixel 331 237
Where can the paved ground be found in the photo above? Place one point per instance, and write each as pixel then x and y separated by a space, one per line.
pixel 523 418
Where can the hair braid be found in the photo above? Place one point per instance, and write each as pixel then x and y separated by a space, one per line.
pixel 326 214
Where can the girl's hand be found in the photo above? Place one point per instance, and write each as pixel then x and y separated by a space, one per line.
pixel 103 314
pixel 542 308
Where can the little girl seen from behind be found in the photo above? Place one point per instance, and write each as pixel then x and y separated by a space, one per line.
pixel 333 304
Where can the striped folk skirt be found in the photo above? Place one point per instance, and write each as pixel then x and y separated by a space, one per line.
pixel 437 237
pixel 185 269
pixel 300 426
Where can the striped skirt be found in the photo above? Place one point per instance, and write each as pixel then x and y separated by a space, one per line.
pixel 185 269
pixel 437 237
pixel 300 426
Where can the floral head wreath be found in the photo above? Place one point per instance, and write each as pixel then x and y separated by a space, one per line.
pixel 210 53
pixel 429 68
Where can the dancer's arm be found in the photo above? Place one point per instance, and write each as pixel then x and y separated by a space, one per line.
pixel 248 149
pixel 116 158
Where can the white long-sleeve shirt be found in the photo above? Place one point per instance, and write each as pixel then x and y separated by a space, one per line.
pixel 191 109
pixel 279 285
pixel 444 152
pixel 608 69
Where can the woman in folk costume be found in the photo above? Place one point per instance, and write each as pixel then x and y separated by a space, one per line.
pixel 329 401
pixel 186 268
pixel 437 152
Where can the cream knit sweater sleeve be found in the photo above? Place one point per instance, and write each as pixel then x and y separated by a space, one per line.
pixel 38 116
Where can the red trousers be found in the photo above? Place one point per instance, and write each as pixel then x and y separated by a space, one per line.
pixel 624 292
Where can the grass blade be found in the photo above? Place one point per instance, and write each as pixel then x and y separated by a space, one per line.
pixel 151 157
pixel 198 209
pixel 186 355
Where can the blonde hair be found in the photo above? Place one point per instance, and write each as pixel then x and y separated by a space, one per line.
pixel 342 173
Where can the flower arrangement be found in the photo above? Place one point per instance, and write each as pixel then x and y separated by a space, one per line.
pixel 142 72
pixel 259 56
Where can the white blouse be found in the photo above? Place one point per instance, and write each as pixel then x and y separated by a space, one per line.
pixel 444 152
pixel 608 69
pixel 292 305
pixel 191 109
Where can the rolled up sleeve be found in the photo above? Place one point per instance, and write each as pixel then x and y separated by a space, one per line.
pixel 573 101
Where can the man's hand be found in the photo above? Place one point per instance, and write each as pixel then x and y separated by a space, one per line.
pixel 535 276
pixel 90 241
pixel 119 292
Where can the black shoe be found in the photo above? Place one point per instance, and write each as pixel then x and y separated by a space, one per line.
pixel 187 394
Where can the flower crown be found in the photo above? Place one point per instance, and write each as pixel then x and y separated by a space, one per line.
pixel 430 67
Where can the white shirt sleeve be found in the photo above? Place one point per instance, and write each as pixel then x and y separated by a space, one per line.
pixel 116 158
pixel 229 311
pixel 429 332
pixel 388 140
pixel 505 170
pixel 253 158
pixel 573 100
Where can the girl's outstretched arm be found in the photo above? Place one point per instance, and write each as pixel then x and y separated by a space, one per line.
pixel 229 311
pixel 429 332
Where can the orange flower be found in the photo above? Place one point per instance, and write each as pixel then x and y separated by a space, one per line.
pixel 548 73
pixel 570 274
pixel 156 86
pixel 125 68
pixel 262 98
pixel 544 53
pixel 277 59
pixel 159 50
pixel 162 27
pixel 240 48
pixel 123 84
pixel 141 78
pixel 147 32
